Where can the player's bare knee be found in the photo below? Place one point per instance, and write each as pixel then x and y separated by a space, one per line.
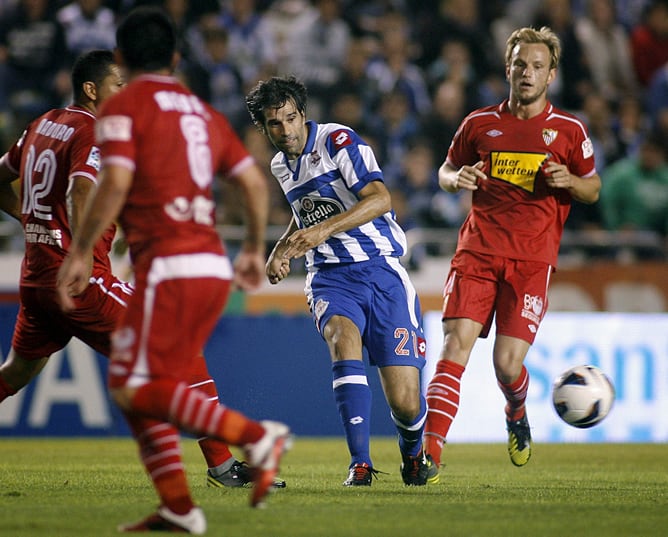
pixel 406 407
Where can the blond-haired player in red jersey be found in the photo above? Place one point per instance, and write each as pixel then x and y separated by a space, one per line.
pixel 58 159
pixel 524 162
pixel 161 148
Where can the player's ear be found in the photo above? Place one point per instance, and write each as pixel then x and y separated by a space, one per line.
pixel 90 90
pixel 552 75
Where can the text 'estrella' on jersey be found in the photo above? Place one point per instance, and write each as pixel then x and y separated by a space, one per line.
pixel 325 181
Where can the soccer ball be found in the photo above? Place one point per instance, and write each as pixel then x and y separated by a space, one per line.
pixel 583 396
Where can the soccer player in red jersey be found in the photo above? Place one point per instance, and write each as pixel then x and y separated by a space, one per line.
pixel 524 162
pixel 58 160
pixel 160 149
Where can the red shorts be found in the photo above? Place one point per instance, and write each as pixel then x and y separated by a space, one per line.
pixel 480 286
pixel 42 328
pixel 175 307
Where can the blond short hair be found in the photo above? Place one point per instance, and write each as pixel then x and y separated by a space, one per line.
pixel 530 35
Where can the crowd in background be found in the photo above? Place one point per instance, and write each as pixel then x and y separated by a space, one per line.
pixel 402 73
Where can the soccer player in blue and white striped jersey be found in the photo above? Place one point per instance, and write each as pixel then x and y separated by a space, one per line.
pixel 358 292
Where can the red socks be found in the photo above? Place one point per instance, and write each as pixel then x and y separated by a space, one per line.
pixel 215 452
pixel 443 402
pixel 191 411
pixel 516 395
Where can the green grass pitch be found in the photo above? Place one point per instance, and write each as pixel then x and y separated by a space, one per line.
pixel 85 487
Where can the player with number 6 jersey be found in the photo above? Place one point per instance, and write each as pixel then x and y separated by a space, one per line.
pixel 161 149
pixel 58 161
pixel 166 214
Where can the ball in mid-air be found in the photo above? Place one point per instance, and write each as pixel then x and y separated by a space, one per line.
pixel 583 396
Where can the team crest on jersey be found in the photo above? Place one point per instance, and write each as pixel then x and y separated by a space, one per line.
pixel 93 159
pixel 315 158
pixel 341 138
pixel 549 136
pixel 494 133
pixel 533 308
pixel 319 309
pixel 312 211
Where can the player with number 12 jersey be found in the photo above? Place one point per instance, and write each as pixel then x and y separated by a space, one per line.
pixel 56 147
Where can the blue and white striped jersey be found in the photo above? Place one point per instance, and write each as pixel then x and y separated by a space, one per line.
pixel 334 166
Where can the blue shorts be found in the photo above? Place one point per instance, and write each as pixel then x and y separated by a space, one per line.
pixel 378 296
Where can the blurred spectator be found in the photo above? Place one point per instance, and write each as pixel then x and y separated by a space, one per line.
pixel 364 18
pixel 34 61
pixel 88 25
pixel 353 77
pixel 394 69
pixel 573 76
pixel 428 205
pixel 656 101
pixel 6 6
pixel 608 50
pixel 629 12
pixel 251 43
pixel 649 41
pixel 457 20
pixel 320 50
pixel 348 109
pixel 395 126
pixel 635 191
pixel 630 125
pixel 454 63
pixel 217 80
pixel 449 108
pixel 597 114
pixel 418 181
pixel 284 22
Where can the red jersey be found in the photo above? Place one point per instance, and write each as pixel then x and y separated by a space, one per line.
pixel 54 148
pixel 174 143
pixel 514 213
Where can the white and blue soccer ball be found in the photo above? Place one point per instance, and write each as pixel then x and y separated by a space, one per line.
pixel 583 396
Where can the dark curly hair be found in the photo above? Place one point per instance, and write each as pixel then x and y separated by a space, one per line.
pixel 274 93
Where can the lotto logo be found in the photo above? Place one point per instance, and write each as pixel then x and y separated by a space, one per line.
pixel 340 138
